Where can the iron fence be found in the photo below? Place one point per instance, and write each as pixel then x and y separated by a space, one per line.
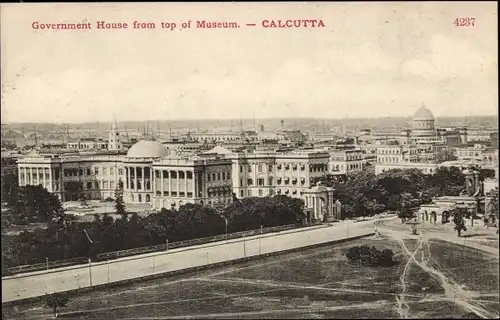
pixel 130 252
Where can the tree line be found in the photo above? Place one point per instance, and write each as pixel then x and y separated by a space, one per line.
pixel 365 194
pixel 66 239
pixel 361 194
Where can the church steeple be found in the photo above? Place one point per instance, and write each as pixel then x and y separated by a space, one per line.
pixel 114 142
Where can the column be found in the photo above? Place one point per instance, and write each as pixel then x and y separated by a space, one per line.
pixel 162 184
pixel 195 184
pixel 178 182
pixel 185 184
pixel 143 170
pixel 170 183
pixel 127 178
pixel 25 170
pixel 135 178
pixel 152 180
pixel 50 179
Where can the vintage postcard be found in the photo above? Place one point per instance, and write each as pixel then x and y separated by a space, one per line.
pixel 249 160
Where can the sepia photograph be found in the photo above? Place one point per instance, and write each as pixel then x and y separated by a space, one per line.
pixel 249 160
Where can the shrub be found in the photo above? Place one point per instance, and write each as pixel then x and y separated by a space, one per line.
pixel 370 256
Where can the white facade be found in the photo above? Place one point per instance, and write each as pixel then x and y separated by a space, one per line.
pixel 267 173
pixel 393 154
pixel 346 161
pixel 148 173
pixel 426 168
pixel 95 175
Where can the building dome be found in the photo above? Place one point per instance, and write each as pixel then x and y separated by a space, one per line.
pixel 147 149
pixel 423 114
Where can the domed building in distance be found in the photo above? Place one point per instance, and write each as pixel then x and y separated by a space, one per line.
pixel 149 172
pixel 420 146
pixel 423 123
pixel 422 131
pixel 154 175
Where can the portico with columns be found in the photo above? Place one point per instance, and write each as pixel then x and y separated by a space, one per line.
pixel 320 205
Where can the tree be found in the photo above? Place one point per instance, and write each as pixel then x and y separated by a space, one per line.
pixel 10 188
pixel 119 204
pixel 55 301
pixel 450 181
pixel 370 256
pixel 459 221
pixel 329 180
pixel 74 188
pixel 486 173
pixel 35 203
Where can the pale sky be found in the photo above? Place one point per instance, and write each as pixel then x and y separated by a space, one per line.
pixel 371 60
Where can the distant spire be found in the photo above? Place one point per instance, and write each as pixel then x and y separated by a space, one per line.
pixel 114 126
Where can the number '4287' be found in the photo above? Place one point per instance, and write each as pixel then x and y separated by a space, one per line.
pixel 464 22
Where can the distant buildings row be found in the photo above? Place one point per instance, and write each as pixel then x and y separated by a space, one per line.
pixel 208 168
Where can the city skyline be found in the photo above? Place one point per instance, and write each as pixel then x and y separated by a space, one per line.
pixel 398 56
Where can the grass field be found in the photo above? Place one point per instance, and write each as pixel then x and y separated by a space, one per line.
pixel 317 283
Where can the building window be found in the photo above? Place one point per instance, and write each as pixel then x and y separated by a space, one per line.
pixel 218 176
pixel 260 168
pixel 250 182
pixel 173 174
pixel 89 185
pixel 208 177
pixel 249 193
pixel 88 172
pixel 181 175
pixel 241 193
pixel 189 175
pixel 80 172
pixel 165 174
pixel 241 182
pixel 260 182
pixel 120 172
pixel 241 169
pixel 214 177
pixel 96 171
pixel 111 170
pixel 157 174
pixel 260 193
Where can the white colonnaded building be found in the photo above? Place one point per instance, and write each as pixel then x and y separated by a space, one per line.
pixel 152 174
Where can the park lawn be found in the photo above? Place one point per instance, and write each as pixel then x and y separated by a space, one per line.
pixel 314 283
pixel 473 268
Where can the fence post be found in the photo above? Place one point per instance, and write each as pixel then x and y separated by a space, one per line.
pixel 47 263
pixel 90 271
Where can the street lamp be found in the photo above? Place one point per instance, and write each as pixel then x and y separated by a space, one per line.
pixel 346 228
pixel 90 255
pixel 260 249
pixel 226 222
